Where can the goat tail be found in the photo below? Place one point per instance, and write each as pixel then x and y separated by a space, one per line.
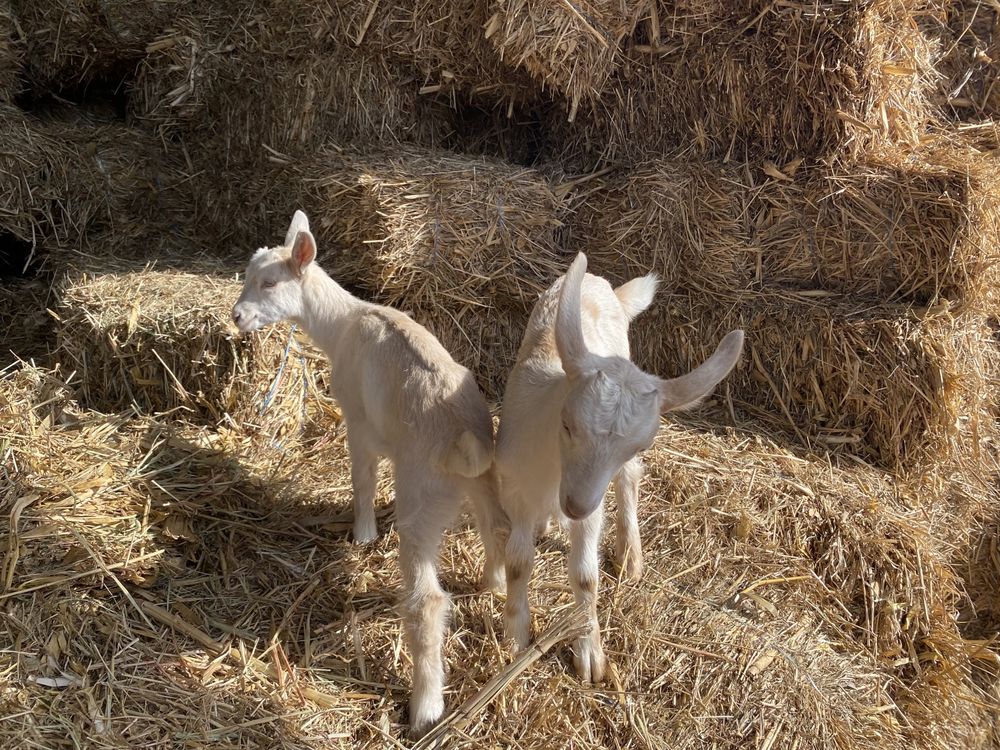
pixel 636 295
pixel 469 456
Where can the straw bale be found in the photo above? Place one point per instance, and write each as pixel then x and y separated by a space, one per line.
pixel 787 80
pixel 902 226
pixel 970 61
pixel 26 327
pixel 11 54
pixel 68 42
pixel 900 387
pixel 66 186
pixel 157 341
pixel 445 43
pixel 196 86
pixel 786 602
pixel 572 49
pixel 430 228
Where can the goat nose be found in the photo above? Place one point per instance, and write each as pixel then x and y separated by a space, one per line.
pixel 236 316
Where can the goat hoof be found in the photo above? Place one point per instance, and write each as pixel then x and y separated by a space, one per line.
pixel 423 717
pixel 495 581
pixel 631 568
pixel 589 660
pixel 364 534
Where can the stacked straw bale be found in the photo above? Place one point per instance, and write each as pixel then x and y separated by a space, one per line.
pixel 11 54
pixel 465 244
pixel 222 100
pixel 971 60
pixel 159 341
pixel 789 80
pixel 900 387
pixel 445 43
pixel 68 42
pixel 104 186
pixel 570 48
pixel 902 226
pixel 784 601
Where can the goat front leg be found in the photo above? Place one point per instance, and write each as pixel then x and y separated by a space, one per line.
pixel 519 562
pixel 425 618
pixel 588 656
pixel 628 547
pixel 364 479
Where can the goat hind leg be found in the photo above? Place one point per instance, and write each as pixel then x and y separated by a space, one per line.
pixel 493 527
pixel 519 562
pixel 364 479
pixel 425 616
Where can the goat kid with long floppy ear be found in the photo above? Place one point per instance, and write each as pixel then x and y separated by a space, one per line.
pixel 404 398
pixel 576 413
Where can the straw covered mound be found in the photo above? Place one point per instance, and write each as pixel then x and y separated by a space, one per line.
pixel 572 48
pixel 900 226
pixel 795 80
pixel 66 188
pixel 196 86
pixel 160 341
pixel 808 601
pixel 898 387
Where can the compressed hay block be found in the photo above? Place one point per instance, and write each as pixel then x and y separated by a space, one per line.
pixel 444 42
pixel 971 60
pixel 900 387
pixel 68 42
pixel 572 49
pixel 11 54
pixel 902 226
pixel 163 340
pixel 192 86
pixel 96 188
pixel 790 81
pixel 429 228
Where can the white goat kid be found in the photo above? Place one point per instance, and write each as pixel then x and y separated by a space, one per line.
pixel 576 412
pixel 403 397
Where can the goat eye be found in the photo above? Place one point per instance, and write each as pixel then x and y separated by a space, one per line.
pixel 268 284
pixel 567 430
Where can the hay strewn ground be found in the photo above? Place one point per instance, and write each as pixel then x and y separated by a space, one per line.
pixel 773 592
pixel 821 538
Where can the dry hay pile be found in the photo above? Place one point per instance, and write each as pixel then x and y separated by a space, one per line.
pixel 899 388
pixel 11 53
pixel 232 110
pixel 572 48
pixel 786 603
pixel 67 188
pixel 162 341
pixel 970 59
pixel 68 42
pixel 793 80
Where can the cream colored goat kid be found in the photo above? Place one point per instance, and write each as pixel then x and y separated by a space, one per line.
pixel 403 397
pixel 576 412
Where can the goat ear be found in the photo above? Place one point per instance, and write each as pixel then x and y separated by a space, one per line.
pixel 569 325
pixel 300 223
pixel 303 252
pixel 689 390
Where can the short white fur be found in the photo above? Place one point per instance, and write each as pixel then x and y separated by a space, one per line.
pixel 576 413
pixel 404 398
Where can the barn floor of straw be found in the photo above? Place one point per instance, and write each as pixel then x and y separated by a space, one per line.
pixel 173 585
